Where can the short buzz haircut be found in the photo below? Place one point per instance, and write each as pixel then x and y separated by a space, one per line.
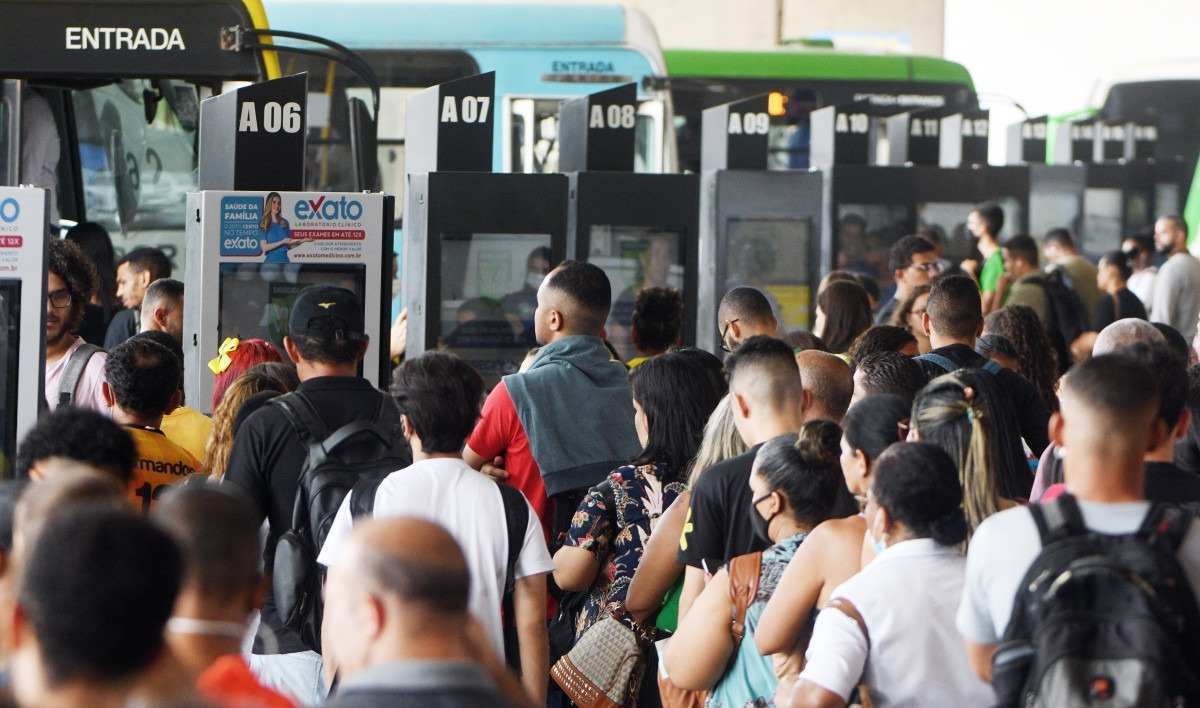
pixel 1178 222
pixel 66 260
pixel 163 289
pixel 891 372
pixel 901 254
pixel 81 435
pixel 588 287
pixel 216 530
pixel 1170 370
pixel 441 585
pixel 992 215
pixel 657 318
pixel 1061 237
pixel 141 260
pixel 746 304
pixel 828 379
pixel 96 605
pixel 1113 385
pixel 440 395
pixel 143 376
pixel 768 365
pixel 1024 247
pixel 954 306
pixel 879 338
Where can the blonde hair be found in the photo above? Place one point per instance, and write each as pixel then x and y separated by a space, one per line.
pixel 951 413
pixel 721 440
pixel 220 440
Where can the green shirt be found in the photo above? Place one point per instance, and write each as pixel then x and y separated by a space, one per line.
pixel 993 268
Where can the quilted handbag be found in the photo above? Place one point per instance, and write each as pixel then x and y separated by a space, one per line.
pixel 604 669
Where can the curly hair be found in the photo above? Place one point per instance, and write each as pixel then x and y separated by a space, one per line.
pixel 1020 325
pixel 67 260
pixel 269 376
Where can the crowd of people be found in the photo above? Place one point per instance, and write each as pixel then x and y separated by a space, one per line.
pixel 978 489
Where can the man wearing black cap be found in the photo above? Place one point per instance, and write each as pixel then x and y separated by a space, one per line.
pixel 326 340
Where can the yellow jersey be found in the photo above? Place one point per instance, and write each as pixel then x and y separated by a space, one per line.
pixel 188 428
pixel 160 463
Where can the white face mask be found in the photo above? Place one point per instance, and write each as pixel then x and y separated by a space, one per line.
pixel 534 279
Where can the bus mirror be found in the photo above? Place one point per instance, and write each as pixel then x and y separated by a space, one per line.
pixel 363 145
pixel 184 103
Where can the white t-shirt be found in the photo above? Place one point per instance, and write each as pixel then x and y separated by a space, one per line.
pixel 915 656
pixel 1006 544
pixel 88 392
pixel 468 504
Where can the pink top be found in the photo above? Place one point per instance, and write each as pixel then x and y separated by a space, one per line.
pixel 88 393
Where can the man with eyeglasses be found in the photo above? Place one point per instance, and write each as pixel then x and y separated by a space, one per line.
pixel 914 262
pixel 745 312
pixel 74 368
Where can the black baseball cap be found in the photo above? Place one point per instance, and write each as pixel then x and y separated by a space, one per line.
pixel 325 312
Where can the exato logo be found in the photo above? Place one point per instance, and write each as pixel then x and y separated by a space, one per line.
pixel 10 209
pixel 343 209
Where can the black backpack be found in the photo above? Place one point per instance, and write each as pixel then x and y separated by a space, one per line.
pixel 356 456
pixel 1066 317
pixel 1102 619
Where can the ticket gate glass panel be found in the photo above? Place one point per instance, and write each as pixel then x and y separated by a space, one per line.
pixel 865 233
pixel 489 285
pixel 634 258
pixel 10 346
pixel 777 256
pixel 256 298
pixel 1102 228
pixel 1166 199
pixel 949 220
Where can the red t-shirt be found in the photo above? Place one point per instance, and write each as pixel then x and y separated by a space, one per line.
pixel 499 433
pixel 229 683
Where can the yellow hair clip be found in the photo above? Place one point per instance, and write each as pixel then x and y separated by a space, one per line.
pixel 222 362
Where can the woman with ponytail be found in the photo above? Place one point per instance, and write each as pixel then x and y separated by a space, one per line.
pixel 889 631
pixel 956 413
pixel 794 483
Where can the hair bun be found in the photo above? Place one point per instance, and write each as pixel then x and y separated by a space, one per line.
pixel 949 529
pixel 819 442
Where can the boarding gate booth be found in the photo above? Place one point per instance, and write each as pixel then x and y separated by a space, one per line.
pixel 642 229
pixel 758 228
pixel 476 244
pixel 23 245
pixel 255 240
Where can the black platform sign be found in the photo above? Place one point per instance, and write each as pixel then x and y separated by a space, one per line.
pixel 102 38
pixel 841 135
pixel 734 135
pixel 597 132
pixel 1115 136
pixel 1083 140
pixel 923 131
pixel 969 132
pixel 253 138
pixel 1145 140
pixel 449 126
pixel 1027 141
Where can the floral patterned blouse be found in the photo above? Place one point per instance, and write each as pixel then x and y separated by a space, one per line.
pixel 614 522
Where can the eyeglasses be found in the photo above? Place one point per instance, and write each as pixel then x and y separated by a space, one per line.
pixel 933 267
pixel 59 299
pixel 724 331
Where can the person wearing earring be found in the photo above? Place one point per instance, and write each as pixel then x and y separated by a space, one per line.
pixel 223 586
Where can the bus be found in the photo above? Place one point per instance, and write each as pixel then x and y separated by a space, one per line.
pixel 541 54
pixel 799 81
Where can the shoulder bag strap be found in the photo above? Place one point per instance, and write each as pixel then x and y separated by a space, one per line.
pixel 516 520
pixel 743 586
pixel 76 363
pixel 940 361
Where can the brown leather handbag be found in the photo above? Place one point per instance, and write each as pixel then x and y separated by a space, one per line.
pixel 744 572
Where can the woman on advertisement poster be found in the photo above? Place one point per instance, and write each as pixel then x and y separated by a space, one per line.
pixel 276 231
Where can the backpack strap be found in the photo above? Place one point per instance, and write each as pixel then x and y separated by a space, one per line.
pixel 362 497
pixel 1165 527
pixel 942 362
pixel 76 364
pixel 516 520
pixel 1057 519
pixel 992 367
pixel 303 416
pixel 743 586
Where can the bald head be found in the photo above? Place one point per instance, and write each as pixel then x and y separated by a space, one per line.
pixel 1125 333
pixel 829 383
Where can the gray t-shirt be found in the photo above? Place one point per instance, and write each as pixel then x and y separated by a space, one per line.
pixel 1177 294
